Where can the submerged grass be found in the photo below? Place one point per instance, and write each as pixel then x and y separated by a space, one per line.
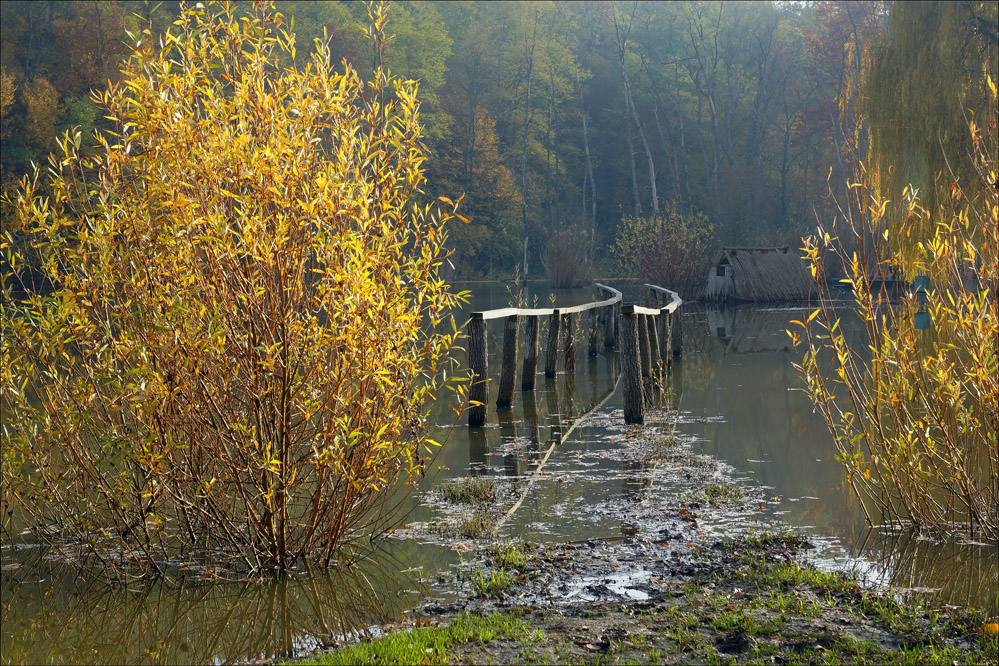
pixel 468 490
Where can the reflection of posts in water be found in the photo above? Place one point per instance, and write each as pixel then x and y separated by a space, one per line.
pixel 637 478
pixel 613 368
pixel 551 351
pixel 508 434
pixel 477 449
pixel 533 430
pixel 554 410
pixel 631 369
pixel 675 383
pixel 569 396
pixel 531 326
pixel 508 370
pixel 478 392
pixel 676 333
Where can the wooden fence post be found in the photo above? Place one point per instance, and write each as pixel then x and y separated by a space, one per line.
pixel 551 352
pixel 594 325
pixel 654 356
pixel 677 333
pixel 631 371
pixel 530 353
pixel 509 368
pixel 478 392
pixel 568 343
pixel 643 345
pixel 610 316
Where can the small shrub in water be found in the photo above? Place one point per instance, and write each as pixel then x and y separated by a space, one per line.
pixel 469 490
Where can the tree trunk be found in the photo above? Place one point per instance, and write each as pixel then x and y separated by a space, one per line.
pixel 588 173
pixel 632 115
pixel 523 158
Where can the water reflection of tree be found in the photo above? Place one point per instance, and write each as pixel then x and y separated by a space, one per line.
pixel 964 572
pixel 163 622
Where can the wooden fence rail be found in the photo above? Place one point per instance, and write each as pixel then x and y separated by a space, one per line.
pixel 649 337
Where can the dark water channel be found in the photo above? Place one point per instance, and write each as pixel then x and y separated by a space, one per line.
pixel 734 395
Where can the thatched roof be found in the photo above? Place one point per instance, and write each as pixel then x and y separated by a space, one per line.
pixel 758 274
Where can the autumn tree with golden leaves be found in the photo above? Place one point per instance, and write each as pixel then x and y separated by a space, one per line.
pixel 240 321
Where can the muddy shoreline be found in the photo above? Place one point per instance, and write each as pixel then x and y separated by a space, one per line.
pixel 687 582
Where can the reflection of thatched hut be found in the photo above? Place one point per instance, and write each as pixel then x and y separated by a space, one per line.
pixel 757 274
pixel 756 331
pixel 749 330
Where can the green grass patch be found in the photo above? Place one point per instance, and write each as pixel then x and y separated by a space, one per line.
pixel 429 645
pixel 492 584
pixel 514 557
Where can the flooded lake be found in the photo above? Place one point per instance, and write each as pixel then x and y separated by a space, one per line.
pixel 734 396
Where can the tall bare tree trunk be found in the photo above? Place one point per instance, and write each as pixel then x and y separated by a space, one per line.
pixel 588 173
pixel 632 114
pixel 523 158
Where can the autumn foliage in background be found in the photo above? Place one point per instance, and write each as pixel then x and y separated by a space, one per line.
pixel 239 330
pixel 915 413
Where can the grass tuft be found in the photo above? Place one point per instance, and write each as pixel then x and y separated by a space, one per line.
pixel 469 490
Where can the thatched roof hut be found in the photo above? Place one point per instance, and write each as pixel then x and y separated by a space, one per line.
pixel 757 275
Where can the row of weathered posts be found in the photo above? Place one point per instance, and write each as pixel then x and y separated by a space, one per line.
pixel 649 338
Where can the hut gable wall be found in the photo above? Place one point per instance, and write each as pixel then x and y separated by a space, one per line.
pixel 763 275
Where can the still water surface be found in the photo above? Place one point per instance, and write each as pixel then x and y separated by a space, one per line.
pixel 734 395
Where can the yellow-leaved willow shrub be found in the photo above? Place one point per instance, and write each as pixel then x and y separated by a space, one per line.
pixel 239 315
pixel 914 407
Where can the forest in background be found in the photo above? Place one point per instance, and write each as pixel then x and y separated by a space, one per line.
pixel 558 120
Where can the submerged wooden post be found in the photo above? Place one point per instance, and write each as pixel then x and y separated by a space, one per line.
pixel 676 331
pixel 509 368
pixel 568 343
pixel 478 391
pixel 610 316
pixel 643 345
pixel 631 372
pixel 551 352
pixel 530 352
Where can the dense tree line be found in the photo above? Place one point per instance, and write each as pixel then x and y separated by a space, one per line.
pixel 553 116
